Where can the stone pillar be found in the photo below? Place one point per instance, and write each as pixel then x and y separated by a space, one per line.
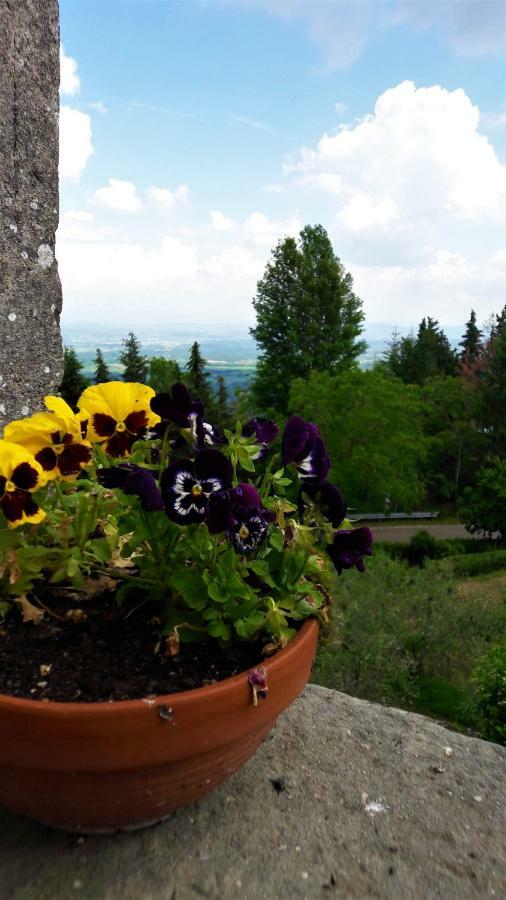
pixel 30 290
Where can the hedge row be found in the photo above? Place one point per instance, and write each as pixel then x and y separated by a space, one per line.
pixel 479 564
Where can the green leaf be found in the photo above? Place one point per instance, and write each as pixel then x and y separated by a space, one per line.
pixel 247 627
pixel 219 629
pixel 190 584
pixel 276 539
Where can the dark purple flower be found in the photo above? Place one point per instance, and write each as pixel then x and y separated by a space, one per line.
pixel 132 479
pixel 257 679
pixel 302 445
pixel 187 486
pixel 205 434
pixel 349 547
pixel 240 513
pixel 176 408
pixel 265 432
pixel 329 500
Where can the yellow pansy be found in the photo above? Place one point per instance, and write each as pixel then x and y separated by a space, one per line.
pixel 55 438
pixel 20 475
pixel 119 414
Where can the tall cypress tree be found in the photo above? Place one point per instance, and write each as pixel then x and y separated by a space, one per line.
pixel 471 341
pixel 136 365
pixel 101 370
pixel 308 318
pixel 197 376
pixel 73 381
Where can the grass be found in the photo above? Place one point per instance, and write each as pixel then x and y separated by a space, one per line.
pixel 411 637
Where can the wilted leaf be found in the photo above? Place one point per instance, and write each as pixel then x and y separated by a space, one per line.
pixel 29 612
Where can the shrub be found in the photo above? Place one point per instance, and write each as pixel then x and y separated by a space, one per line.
pixel 470 564
pixel 423 546
pixel 489 681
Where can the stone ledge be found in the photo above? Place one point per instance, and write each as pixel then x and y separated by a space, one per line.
pixel 345 799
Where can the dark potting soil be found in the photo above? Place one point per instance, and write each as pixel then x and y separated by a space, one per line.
pixel 114 653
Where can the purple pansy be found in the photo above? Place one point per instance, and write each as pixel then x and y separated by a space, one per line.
pixel 176 408
pixel 240 513
pixel 349 547
pixel 265 432
pixel 329 500
pixel 302 445
pixel 132 479
pixel 187 485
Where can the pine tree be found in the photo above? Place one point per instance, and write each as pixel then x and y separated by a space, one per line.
pixel 101 370
pixel 308 318
pixel 136 365
pixel 197 376
pixel 73 382
pixel 471 341
pixel 429 354
pixel 222 404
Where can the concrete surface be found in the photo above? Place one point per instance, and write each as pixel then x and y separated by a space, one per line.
pixel 30 292
pixel 402 533
pixel 346 799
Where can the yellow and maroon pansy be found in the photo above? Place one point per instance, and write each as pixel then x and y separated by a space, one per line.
pixel 119 414
pixel 20 476
pixel 55 438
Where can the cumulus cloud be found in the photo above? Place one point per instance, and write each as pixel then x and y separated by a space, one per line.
pixel 118 195
pixel 69 79
pixel 221 222
pixel 264 232
pixel 165 199
pixel 418 158
pixel 75 142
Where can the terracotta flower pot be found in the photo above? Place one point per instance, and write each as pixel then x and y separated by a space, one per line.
pixel 125 764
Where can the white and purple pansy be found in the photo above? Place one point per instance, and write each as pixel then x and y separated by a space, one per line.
pixel 188 485
pixel 265 432
pixel 302 445
pixel 176 408
pixel 239 512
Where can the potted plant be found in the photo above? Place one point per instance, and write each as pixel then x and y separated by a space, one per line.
pixel 161 586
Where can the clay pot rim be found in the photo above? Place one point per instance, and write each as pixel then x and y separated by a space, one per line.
pixel 105 707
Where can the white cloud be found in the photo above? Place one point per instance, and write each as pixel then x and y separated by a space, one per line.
pixel 78 225
pixel 69 79
pixel 221 222
pixel 75 142
pixel 264 232
pixel 273 188
pixel 99 106
pixel 419 158
pixel 340 108
pixel 118 195
pixel 164 199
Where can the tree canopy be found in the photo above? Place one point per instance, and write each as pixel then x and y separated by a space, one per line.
pixel 414 359
pixel 163 373
pixel 73 381
pixel 101 372
pixel 136 365
pixel 308 317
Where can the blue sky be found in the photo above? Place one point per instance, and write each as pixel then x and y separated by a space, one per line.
pixel 196 134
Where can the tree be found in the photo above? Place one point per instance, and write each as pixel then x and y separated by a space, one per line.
pixel 414 359
pixel 73 382
pixel 136 365
pixel 491 387
pixel 222 404
pixel 484 508
pixel 197 376
pixel 471 341
pixel 163 373
pixel 372 426
pixel 308 318
pixel 101 369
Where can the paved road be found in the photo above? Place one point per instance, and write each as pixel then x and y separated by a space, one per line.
pixel 402 533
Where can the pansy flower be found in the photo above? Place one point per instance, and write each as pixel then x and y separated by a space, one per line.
pixel 55 438
pixel 119 414
pixel 265 432
pixel 187 485
pixel 177 408
pixel 240 513
pixel 132 479
pixel 302 445
pixel 329 500
pixel 349 547
pixel 20 476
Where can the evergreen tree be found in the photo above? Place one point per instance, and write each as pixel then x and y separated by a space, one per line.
pixel 101 369
pixel 136 365
pixel 491 387
pixel 73 382
pixel 429 354
pixel 197 377
pixel 471 341
pixel 163 373
pixel 222 404
pixel 308 318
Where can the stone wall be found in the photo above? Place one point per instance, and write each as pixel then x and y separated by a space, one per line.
pixel 30 290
